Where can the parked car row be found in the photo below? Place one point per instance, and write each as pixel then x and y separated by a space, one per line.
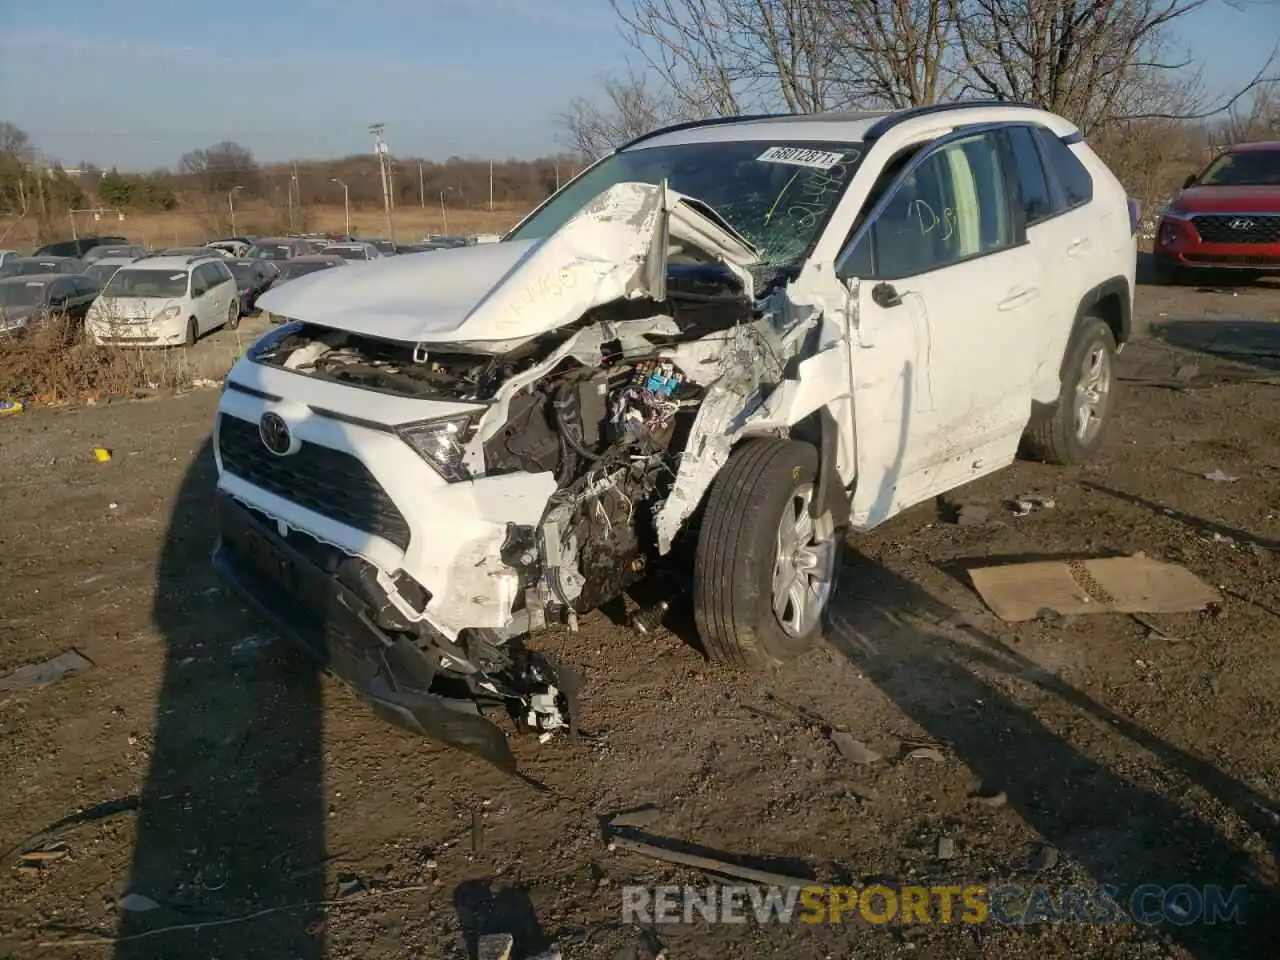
pixel 129 294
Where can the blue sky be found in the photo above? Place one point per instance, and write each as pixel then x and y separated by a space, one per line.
pixel 139 82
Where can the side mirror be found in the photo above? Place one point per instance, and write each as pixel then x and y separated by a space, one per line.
pixel 57 303
pixel 1191 178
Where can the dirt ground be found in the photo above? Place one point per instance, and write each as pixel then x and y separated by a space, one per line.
pixel 205 767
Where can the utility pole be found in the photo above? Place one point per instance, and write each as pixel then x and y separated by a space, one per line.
pixel 422 193
pixel 557 174
pixel 381 150
pixel 297 187
pixel 491 186
pixel 289 200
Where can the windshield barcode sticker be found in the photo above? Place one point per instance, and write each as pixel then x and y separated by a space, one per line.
pixel 801 157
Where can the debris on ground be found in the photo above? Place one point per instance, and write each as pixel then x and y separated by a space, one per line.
pixel 495 946
pixel 102 454
pixel 1154 632
pixel 946 848
pixel 924 753
pixel 855 751
pixel 640 816
pixel 707 863
pixel 997 799
pixel 1020 591
pixel 1217 476
pixel 962 513
pixel 1030 503
pixel 10 407
pixel 45 672
pixel 137 903
pixel 1046 858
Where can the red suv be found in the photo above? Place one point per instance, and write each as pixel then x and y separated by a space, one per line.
pixel 1228 217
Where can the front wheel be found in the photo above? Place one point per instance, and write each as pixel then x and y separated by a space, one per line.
pixel 233 315
pixel 764 568
pixel 1075 431
pixel 193 332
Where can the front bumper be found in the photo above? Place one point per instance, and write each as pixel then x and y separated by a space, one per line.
pixel 1180 242
pixel 293 582
pixel 143 333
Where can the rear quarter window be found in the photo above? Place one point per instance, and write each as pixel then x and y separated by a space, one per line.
pixel 1066 169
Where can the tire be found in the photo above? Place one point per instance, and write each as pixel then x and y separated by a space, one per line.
pixel 739 550
pixel 193 332
pixel 233 315
pixel 1059 439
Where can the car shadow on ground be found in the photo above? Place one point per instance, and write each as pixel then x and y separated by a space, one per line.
pixel 1255 342
pixel 232 813
pixel 952 679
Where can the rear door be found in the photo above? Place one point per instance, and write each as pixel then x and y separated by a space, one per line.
pixel 1065 238
pixel 946 302
pixel 202 298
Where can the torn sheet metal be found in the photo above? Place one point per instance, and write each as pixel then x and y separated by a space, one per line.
pixel 490 298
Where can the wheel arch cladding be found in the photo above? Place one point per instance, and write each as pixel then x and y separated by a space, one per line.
pixel 1112 302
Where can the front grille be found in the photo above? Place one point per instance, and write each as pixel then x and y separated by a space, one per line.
pixel 321 479
pixel 1238 227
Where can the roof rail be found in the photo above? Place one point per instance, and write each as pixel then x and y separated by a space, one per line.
pixel 695 124
pixel 887 123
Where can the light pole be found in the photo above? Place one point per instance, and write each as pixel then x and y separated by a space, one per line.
pixel 443 213
pixel 346 202
pixel 231 203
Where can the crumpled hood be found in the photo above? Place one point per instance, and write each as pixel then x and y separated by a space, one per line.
pixel 492 297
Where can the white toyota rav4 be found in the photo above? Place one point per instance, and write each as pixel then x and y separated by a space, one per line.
pixel 702 362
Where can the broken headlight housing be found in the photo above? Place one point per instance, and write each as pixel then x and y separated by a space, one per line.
pixel 443 443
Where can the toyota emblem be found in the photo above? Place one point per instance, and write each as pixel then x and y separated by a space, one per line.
pixel 275 434
pixel 1240 223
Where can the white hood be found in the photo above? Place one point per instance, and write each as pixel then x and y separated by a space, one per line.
pixel 491 297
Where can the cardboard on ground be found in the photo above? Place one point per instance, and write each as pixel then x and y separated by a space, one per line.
pixel 1019 591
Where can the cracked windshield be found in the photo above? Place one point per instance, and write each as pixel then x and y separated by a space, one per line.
pixel 777 195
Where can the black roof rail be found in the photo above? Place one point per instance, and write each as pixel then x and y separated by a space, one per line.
pixel 695 124
pixel 887 123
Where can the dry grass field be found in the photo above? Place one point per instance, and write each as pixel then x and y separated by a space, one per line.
pixel 195 226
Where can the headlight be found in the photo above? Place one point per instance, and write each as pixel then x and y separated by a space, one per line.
pixel 270 340
pixel 168 313
pixel 443 443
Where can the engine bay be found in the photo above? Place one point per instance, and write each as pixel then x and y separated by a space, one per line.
pixel 608 417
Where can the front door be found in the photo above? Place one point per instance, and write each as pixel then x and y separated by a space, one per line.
pixel 947 291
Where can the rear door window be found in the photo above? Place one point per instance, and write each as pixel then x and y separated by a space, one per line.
pixel 1029 176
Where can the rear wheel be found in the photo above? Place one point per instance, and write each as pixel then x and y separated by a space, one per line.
pixel 233 315
pixel 193 332
pixel 1075 431
pixel 764 568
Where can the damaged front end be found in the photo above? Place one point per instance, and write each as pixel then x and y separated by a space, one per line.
pixel 620 393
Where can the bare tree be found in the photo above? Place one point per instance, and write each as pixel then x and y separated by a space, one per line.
pixel 626 108
pixel 220 167
pixel 726 57
pixel 894 53
pixel 1259 120
pixel 1097 62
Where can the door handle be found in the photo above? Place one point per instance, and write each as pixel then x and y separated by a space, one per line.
pixel 1018 296
pixel 1078 247
pixel 885 295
